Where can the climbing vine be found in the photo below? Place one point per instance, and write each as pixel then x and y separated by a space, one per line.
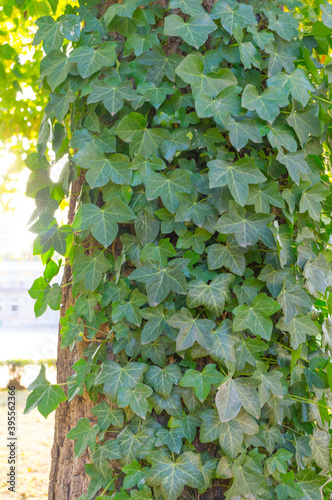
pixel 195 141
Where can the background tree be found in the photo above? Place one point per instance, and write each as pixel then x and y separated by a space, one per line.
pixel 194 143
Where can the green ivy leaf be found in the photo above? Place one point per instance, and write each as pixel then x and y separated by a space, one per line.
pixel 202 381
pixel 114 377
pixel 194 32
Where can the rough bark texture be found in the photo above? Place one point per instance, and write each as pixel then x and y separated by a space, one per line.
pixel 68 479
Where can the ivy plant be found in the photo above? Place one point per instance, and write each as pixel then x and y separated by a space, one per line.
pixel 195 138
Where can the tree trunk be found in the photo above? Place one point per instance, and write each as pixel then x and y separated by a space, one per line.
pixel 68 479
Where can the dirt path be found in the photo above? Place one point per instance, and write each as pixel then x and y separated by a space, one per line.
pixel 35 435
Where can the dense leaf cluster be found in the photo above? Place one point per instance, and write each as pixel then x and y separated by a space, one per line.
pixel 199 140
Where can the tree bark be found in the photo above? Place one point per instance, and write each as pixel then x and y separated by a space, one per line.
pixel 68 479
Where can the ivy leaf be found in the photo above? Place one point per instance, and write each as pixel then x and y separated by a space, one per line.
pixel 101 169
pixel 160 64
pixel 240 132
pixel 305 122
pixel 326 15
pixel 191 330
pixel 85 436
pixel 178 141
pixel 224 341
pixel 136 398
pixel 194 32
pixel 160 281
pixel 276 278
pixel 256 317
pixel 233 15
pixel 107 416
pixel 282 135
pixel 163 379
pixel 172 439
pixel 319 443
pixel 230 255
pixel 195 240
pixel 249 55
pixel 112 92
pixel 267 104
pixel 247 229
pixel 212 296
pixel 167 186
pixel 91 269
pixel 202 381
pixel 105 140
pixel 55 67
pixel 173 476
pixel 155 325
pixel 310 201
pixel 115 377
pixel 89 60
pixel 236 175
pixel 296 83
pixel 59 104
pixel 295 163
pixel 285 25
pixel 159 252
pixel 191 70
pixel 45 396
pixel 293 300
pixel 280 57
pixel 103 222
pixel 227 102
pixel 191 208
pixel 129 310
pixel 299 328
pixel 228 401
pixel 145 141
pixel 318 273
pixel 190 7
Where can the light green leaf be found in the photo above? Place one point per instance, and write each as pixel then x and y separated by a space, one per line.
pixel 305 122
pixel 240 132
pixel 256 317
pixel 194 32
pixel 160 64
pixel 298 329
pixel 173 476
pixel 84 434
pixel 136 398
pixel 163 379
pixel 247 229
pixel 167 186
pixel 107 416
pixel 233 14
pixel 295 164
pixel 145 141
pixel 264 196
pixel 310 200
pixel 191 70
pixel 102 169
pixel 202 381
pixel 212 296
pixel 115 377
pixel 191 330
pixel 91 269
pixel 112 92
pixel 318 273
pixel 230 255
pixel 160 281
pixel 89 60
pixel 296 83
pixel 55 67
pixel 266 104
pixel 236 175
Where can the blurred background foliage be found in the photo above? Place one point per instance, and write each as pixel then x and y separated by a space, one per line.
pixel 21 98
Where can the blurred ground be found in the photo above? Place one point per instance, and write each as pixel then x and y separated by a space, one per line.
pixel 35 436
